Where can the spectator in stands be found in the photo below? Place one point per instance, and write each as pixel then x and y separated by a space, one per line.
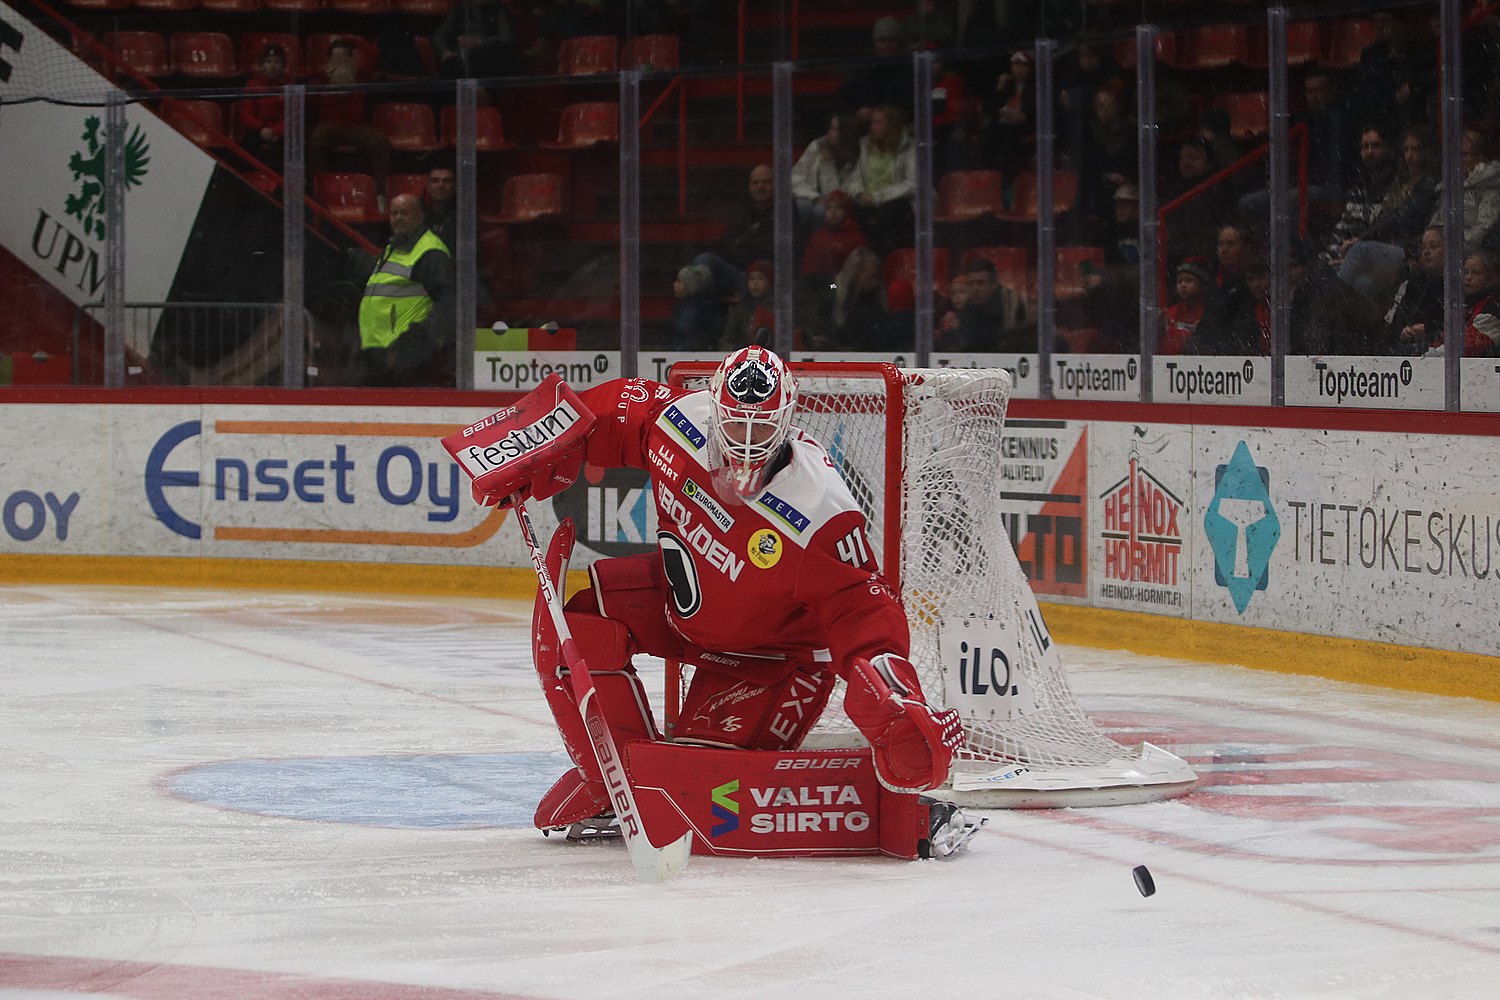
pixel 1234 252
pixel 750 237
pixel 930 26
pixel 1083 72
pixel 1362 200
pixel 958 297
pixel 1372 259
pixel 406 318
pixel 1192 227
pixel 885 180
pixel 1393 80
pixel 554 21
pixel 1329 141
pixel 1122 238
pixel 1418 304
pixel 1012 112
pixel 1108 157
pixel 1216 132
pixel 1327 316
pixel 1481 309
pixel 751 320
pixel 866 88
pixel 832 242
pixel 858 302
pixel 826 165
pixel 1239 325
pixel 698 313
pixel 440 202
pixel 476 39
pixel 341 123
pixel 995 318
pixel 263 112
pixel 1180 320
pixel 1481 192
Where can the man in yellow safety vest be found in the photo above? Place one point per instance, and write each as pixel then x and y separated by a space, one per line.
pixel 406 317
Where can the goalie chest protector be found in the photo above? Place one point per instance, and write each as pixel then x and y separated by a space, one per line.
pixel 742 574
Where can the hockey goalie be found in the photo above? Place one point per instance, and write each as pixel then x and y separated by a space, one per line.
pixel 765 583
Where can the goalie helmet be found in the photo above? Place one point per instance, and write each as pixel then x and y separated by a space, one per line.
pixel 753 398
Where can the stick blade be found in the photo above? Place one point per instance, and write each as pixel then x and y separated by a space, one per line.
pixel 657 864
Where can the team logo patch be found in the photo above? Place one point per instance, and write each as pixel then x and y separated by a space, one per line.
pixel 716 513
pixel 765 548
pixel 785 512
pixel 685 428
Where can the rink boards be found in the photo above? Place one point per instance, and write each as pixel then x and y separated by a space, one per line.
pixel 1223 528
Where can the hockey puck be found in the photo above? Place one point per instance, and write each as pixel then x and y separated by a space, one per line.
pixel 1143 880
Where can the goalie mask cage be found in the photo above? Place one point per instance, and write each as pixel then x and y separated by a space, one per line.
pixel 920 450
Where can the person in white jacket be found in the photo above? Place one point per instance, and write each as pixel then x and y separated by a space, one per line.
pixel 885 180
pixel 826 165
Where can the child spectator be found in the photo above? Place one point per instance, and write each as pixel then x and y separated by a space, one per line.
pixel 832 243
pixel 1482 308
pixel 262 113
pixel 1194 276
pixel 341 123
pixel 858 301
pixel 698 313
pixel 750 320
pixel 958 297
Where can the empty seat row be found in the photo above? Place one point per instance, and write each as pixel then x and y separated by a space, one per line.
pixel 433 8
pixel 1012 266
pixel 966 195
pixel 214 55
pixel 352 197
pixel 1335 42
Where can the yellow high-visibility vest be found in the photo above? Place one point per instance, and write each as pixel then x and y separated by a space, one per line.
pixel 394 300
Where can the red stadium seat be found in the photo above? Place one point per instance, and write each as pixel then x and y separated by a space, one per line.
pixel 588 54
pixel 1304 44
pixel 1073 263
pixel 405 184
pixel 142 52
pixel 204 55
pixel 1012 264
pixel 202 122
pixel 529 197
pixel 251 43
pixel 294 6
pixel 361 6
pixel 425 8
pixel 165 5
pixel 1215 45
pixel 1167 50
pixel 1249 114
pixel 587 124
pixel 651 53
pixel 348 197
pixel 489 136
pixel 902 263
pixel 100 4
pixel 1023 197
pixel 230 6
pixel 409 126
pixel 963 195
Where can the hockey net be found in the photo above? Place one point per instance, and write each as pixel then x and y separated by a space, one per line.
pixel 920 450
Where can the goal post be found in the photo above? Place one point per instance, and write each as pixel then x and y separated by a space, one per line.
pixel 920 449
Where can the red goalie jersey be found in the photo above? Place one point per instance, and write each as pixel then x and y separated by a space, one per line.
pixel 787 572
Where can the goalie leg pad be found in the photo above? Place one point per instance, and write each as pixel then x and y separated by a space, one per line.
pixel 721 710
pixel 749 803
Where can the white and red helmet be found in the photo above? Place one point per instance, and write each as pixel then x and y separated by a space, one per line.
pixel 753 399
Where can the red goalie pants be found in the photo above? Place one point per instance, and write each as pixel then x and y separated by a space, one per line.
pixel 734 700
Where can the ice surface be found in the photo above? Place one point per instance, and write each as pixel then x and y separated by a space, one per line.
pixel 210 794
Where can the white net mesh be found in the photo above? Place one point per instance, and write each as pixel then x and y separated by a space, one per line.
pixel 953 557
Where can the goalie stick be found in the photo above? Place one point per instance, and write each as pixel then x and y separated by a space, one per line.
pixel 653 864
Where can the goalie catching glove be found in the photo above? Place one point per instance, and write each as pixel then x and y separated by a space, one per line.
pixel 913 745
pixel 534 448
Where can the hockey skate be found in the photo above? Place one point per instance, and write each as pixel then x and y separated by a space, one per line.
pixel 605 826
pixel 949 828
